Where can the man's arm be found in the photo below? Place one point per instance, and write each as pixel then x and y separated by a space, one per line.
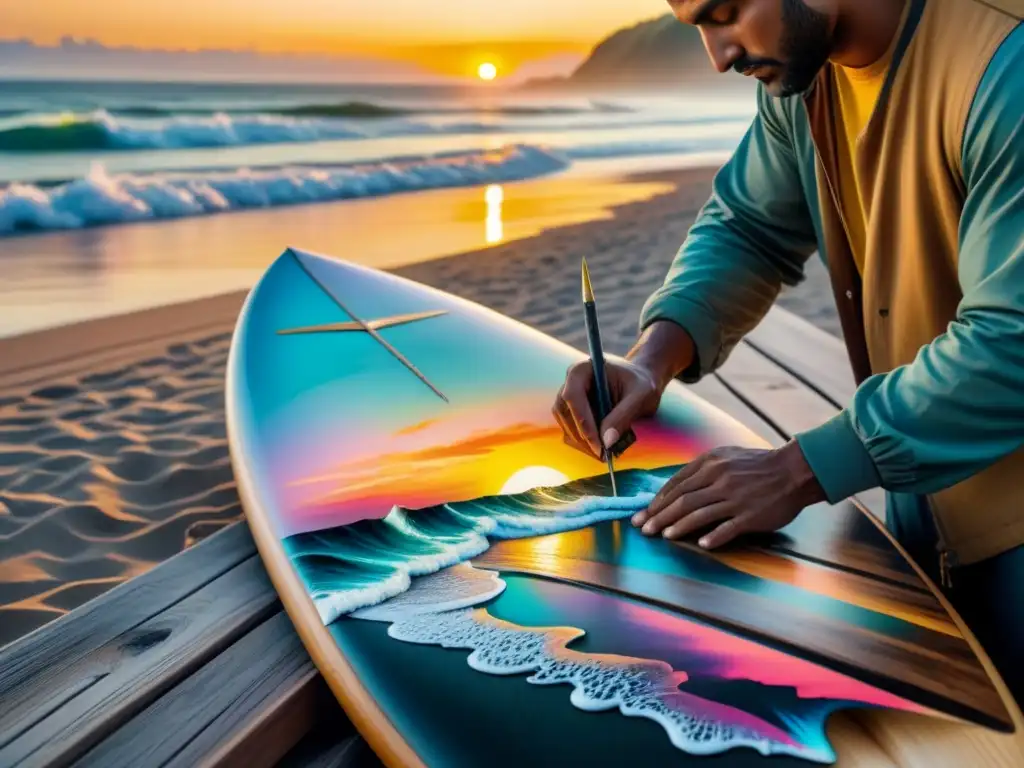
pixel 753 235
pixel 959 406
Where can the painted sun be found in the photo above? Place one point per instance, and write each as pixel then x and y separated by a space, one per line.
pixel 533 477
pixel 487 71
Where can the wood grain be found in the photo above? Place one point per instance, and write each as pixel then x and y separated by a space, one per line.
pixel 204 711
pixel 42 671
pixel 719 395
pixel 135 668
pixel 913 605
pixel 814 356
pixel 788 400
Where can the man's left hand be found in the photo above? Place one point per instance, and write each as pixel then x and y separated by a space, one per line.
pixel 749 490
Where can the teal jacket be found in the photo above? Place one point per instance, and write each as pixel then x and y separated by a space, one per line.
pixel 959 405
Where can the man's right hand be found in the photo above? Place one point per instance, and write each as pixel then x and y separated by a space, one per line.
pixel 634 393
pixel 636 385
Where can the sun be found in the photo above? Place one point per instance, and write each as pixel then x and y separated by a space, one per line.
pixel 533 477
pixel 487 71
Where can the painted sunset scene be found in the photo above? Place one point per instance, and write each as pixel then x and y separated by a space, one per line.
pixel 456 492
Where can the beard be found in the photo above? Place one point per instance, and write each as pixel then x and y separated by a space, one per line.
pixel 805 46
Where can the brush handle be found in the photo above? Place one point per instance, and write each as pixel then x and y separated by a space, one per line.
pixel 600 394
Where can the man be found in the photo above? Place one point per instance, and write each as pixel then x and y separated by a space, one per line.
pixel 889 137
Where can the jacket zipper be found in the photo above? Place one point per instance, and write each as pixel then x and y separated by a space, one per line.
pixel 947 557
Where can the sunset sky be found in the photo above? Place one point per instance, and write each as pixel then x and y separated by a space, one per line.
pixel 338 430
pixel 443 37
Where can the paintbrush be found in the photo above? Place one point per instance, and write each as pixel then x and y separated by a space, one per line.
pixel 600 394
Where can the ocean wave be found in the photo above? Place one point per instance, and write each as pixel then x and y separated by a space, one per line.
pixel 102 198
pixel 103 131
pixel 367 562
pixel 369 109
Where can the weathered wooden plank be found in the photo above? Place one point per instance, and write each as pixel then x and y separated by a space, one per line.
pixel 262 726
pixel 717 394
pixel 770 389
pixel 37 672
pixel 124 675
pixel 241 685
pixel 814 356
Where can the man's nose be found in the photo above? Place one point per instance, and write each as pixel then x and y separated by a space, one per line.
pixel 721 48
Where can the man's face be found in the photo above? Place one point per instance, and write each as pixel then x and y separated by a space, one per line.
pixel 783 43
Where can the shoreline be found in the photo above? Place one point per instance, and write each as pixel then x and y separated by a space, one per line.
pixel 113 452
pixel 59 278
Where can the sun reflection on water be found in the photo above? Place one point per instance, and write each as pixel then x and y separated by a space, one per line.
pixel 493 196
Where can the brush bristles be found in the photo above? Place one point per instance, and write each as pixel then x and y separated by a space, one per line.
pixel 588 290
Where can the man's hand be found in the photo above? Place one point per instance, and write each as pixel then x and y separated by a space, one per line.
pixel 634 392
pixel 636 383
pixel 745 490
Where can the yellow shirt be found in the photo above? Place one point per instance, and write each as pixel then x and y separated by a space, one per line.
pixel 856 91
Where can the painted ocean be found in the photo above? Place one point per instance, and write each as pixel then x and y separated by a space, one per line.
pixel 362 564
pixel 709 690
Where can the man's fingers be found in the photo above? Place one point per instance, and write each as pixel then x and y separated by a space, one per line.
pixel 701 510
pixel 559 412
pixel 575 406
pixel 685 480
pixel 569 434
pixel 583 420
pixel 621 416
pixel 726 532
pixel 682 507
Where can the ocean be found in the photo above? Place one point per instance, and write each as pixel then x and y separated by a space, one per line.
pixel 115 196
pixel 360 565
pixel 74 155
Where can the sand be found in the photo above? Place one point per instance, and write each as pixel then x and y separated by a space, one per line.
pixel 113 454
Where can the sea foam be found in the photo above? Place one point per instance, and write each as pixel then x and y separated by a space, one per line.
pixel 104 198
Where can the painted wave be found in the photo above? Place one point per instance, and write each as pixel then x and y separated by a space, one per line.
pixel 365 563
pixel 103 198
pixel 105 131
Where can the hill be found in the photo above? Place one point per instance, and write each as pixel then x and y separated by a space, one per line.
pixel 660 51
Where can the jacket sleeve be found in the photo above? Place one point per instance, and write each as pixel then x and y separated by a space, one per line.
pixel 958 407
pixel 753 234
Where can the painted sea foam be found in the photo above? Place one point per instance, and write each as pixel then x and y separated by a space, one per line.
pixel 365 563
pixel 438 610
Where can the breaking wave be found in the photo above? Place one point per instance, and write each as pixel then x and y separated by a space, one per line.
pixel 365 563
pixel 103 198
pixel 103 130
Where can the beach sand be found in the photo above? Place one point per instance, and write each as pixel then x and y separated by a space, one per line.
pixel 113 453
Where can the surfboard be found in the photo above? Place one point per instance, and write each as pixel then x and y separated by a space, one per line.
pixel 474 594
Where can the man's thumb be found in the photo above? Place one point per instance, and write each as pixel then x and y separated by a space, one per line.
pixel 620 418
